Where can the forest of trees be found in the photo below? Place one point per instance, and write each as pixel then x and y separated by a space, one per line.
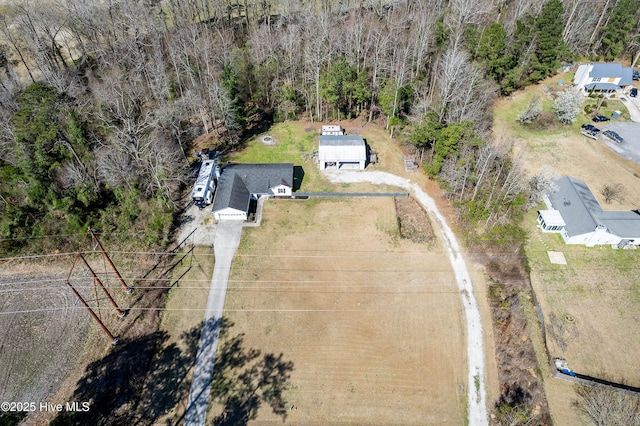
pixel 100 101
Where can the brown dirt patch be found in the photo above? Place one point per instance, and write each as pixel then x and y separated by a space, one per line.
pixel 413 221
pixel 371 322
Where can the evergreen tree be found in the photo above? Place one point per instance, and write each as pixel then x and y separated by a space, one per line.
pixel 615 35
pixel 519 55
pixel 550 49
pixel 337 83
pixel 492 50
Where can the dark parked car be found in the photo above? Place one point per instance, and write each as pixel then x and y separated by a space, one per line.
pixel 634 92
pixel 613 136
pixel 590 128
pixel 599 118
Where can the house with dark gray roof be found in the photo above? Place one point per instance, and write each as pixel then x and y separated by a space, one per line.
pixel 574 212
pixel 240 183
pixel 607 78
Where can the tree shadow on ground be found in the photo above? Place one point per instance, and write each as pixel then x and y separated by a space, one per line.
pixel 245 379
pixel 142 380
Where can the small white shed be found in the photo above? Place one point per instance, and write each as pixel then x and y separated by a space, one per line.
pixel 332 130
pixel 342 152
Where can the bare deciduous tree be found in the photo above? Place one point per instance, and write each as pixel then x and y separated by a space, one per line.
pixel 601 406
pixel 611 191
pixel 534 108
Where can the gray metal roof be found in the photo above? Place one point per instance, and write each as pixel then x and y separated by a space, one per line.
pixel 582 212
pixel 238 181
pixel 606 70
pixel 627 77
pixel 341 140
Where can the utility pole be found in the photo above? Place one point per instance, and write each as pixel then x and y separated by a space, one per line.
pixel 127 289
pixel 121 314
pixel 93 314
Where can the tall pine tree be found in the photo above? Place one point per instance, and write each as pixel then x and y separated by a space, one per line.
pixel 549 26
pixel 615 35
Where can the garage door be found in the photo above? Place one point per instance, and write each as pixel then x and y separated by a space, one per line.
pixel 350 165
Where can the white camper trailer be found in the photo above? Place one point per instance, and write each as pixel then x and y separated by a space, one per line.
pixel 202 192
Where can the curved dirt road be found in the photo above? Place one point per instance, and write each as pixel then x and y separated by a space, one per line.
pixel 475 351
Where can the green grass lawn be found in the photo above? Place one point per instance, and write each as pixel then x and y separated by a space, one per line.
pixel 294 143
pixel 509 111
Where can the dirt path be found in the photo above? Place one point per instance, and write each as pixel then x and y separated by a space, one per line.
pixel 475 351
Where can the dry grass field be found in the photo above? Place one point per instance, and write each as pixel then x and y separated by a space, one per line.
pixel 591 305
pixel 37 349
pixel 371 323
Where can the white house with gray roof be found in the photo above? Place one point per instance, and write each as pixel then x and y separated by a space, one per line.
pixel 574 212
pixel 342 152
pixel 607 78
pixel 239 183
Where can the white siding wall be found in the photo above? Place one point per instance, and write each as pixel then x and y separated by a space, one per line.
pixel 342 154
pixel 280 190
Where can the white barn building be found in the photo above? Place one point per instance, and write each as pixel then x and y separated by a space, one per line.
pixel 575 213
pixel 342 151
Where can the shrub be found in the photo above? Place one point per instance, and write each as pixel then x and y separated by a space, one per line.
pixel 532 112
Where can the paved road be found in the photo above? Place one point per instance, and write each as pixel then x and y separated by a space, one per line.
pixel 225 245
pixel 477 395
pixel 633 106
pixel 630 132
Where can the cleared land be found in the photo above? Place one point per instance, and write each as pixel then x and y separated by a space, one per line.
pixel 591 305
pixel 37 349
pixel 342 309
pixel 367 329
pixel 372 324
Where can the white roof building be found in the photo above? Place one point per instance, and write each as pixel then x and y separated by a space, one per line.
pixel 332 130
pixel 342 152
pixel 574 212
pixel 603 78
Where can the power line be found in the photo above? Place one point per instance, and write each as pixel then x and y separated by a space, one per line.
pixel 430 309
pixel 279 253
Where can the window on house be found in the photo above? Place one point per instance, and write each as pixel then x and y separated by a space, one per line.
pixel 282 191
pixel 595 79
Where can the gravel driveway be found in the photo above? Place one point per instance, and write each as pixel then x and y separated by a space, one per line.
pixel 630 132
pixel 476 389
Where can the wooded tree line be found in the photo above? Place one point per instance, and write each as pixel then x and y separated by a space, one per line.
pixel 99 101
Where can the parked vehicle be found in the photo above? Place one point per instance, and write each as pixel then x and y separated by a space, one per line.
pixel 563 367
pixel 590 131
pixel 634 92
pixel 599 118
pixel 636 75
pixel 613 136
pixel 203 189
pixel 590 127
